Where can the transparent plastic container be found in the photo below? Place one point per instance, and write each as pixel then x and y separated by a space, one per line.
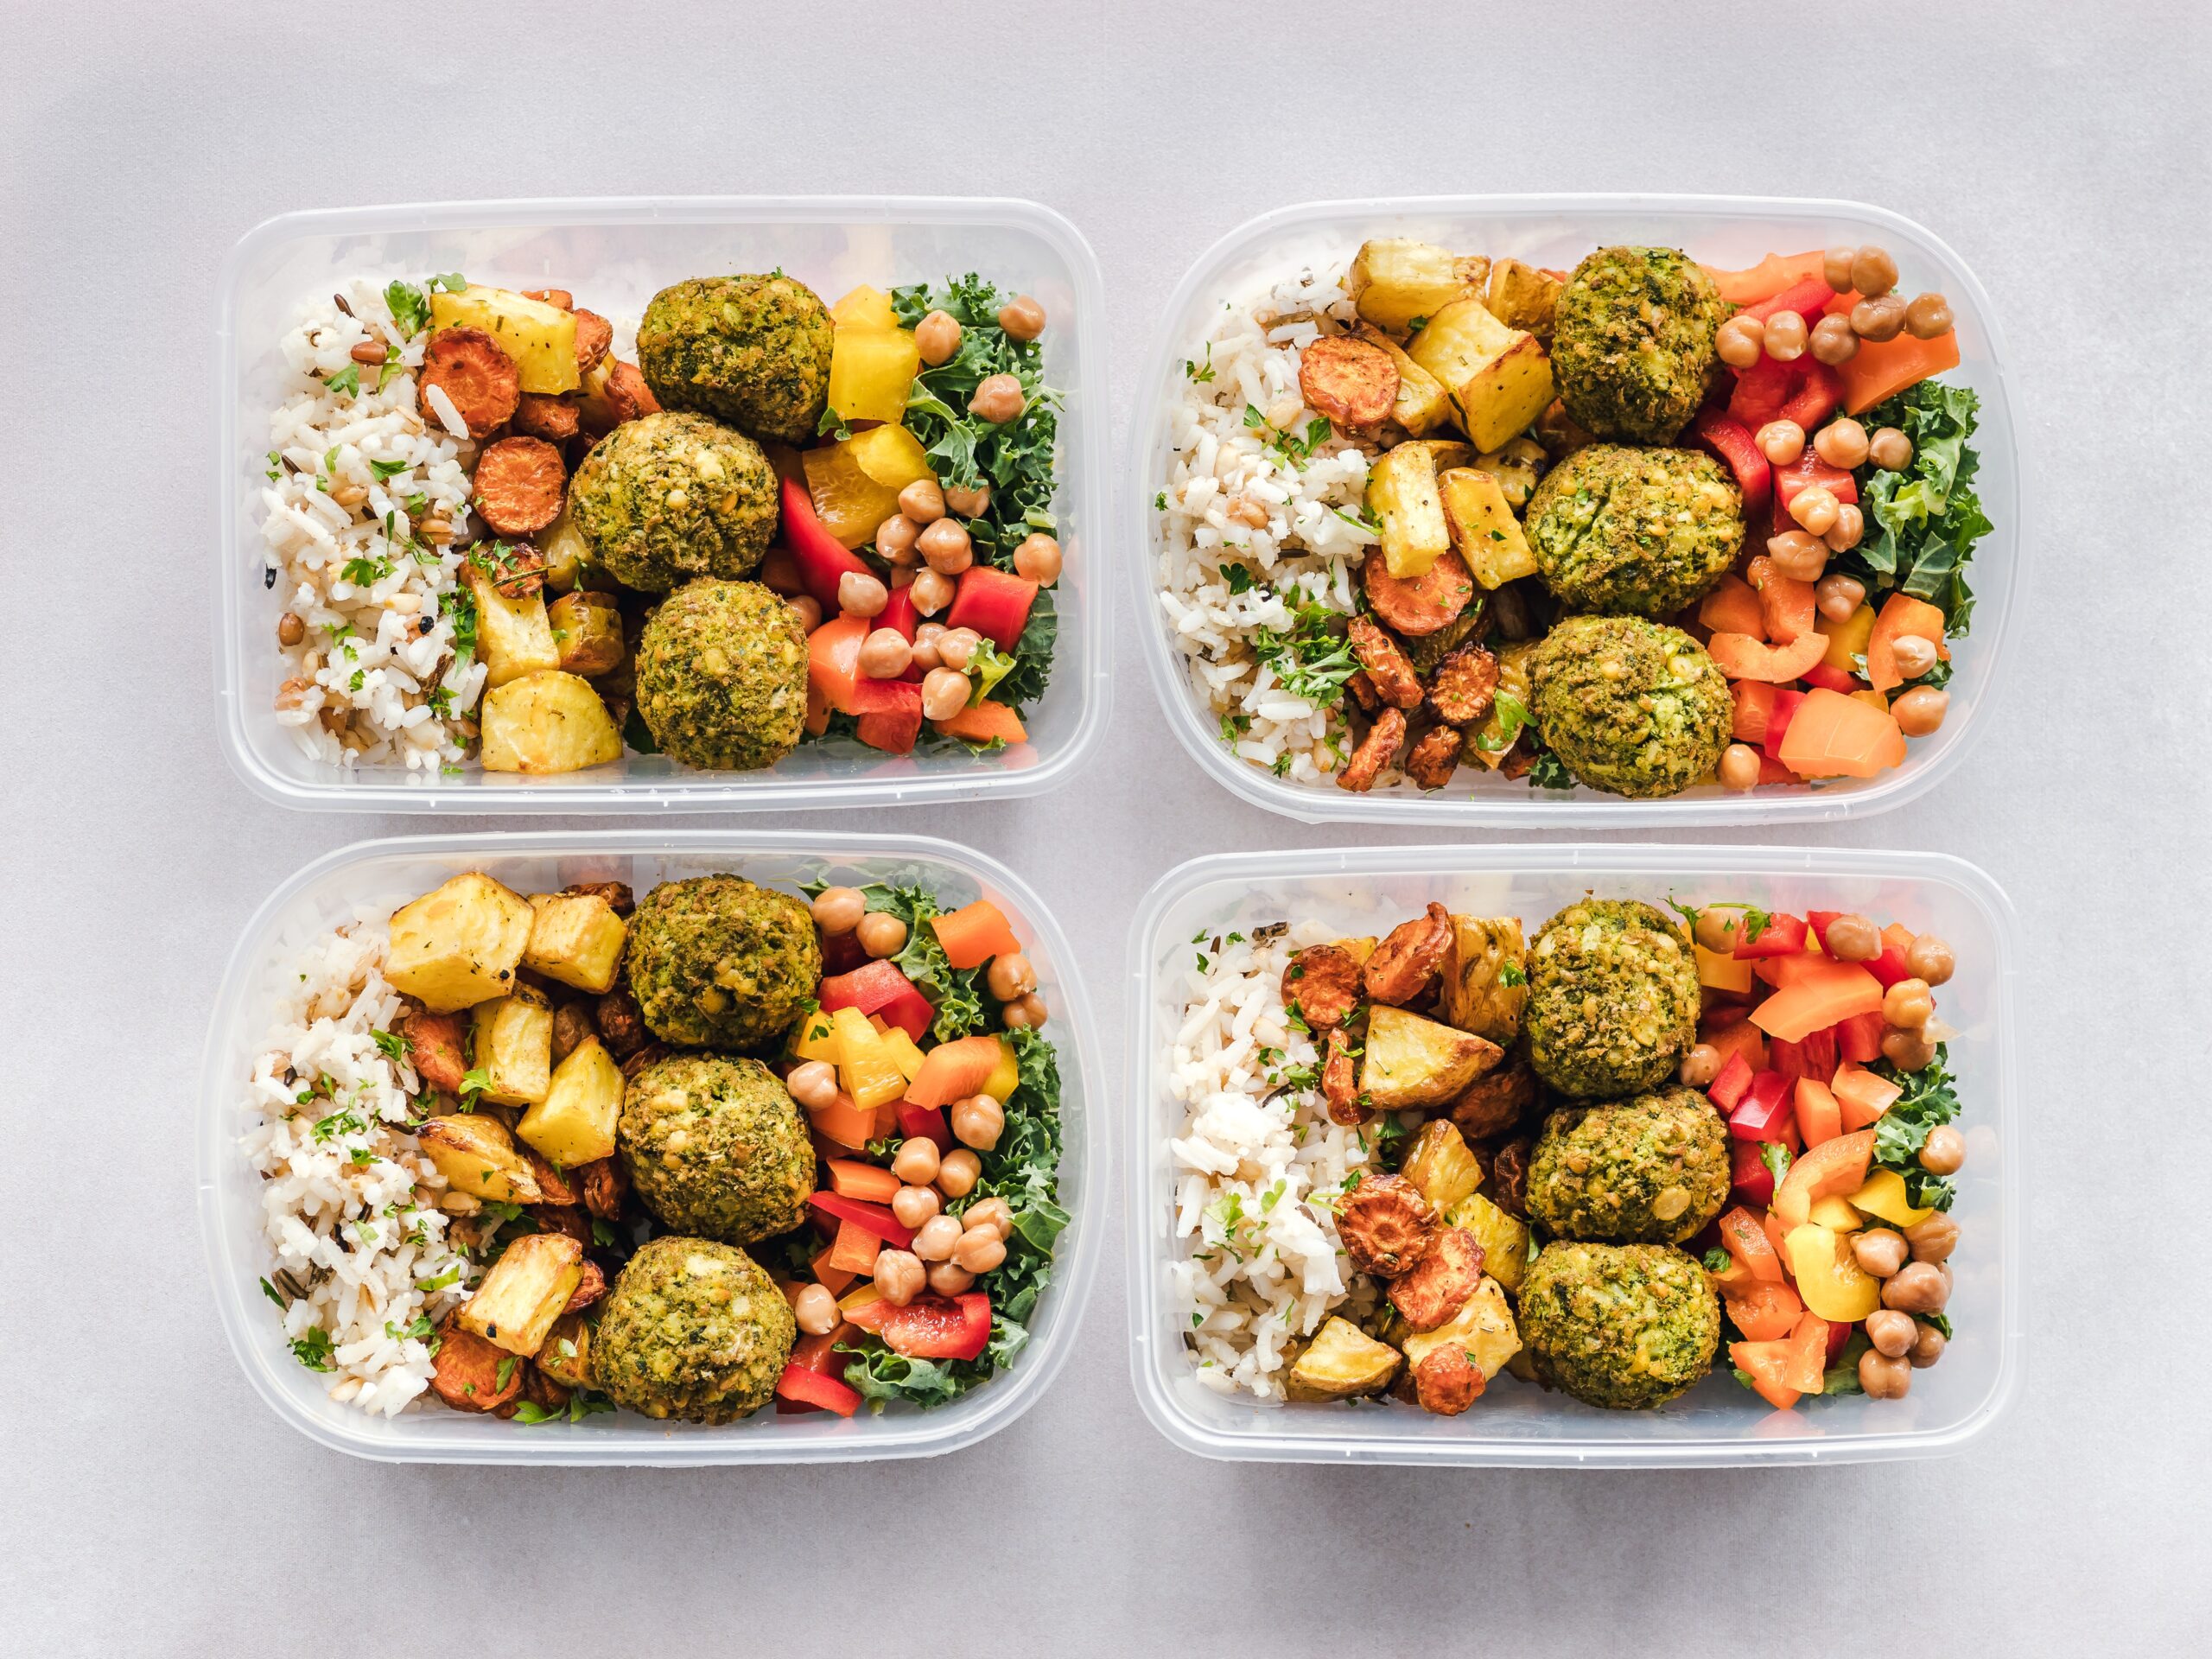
pixel 1369 890
pixel 1556 232
pixel 395 870
pixel 615 255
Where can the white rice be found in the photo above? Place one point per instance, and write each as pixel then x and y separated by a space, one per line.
pixel 350 1206
pixel 370 683
pixel 1258 1167
pixel 1310 545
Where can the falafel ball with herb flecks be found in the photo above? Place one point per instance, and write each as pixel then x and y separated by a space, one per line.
pixel 1652 1169
pixel 1637 532
pixel 715 1147
pixel 716 962
pixel 1625 1326
pixel 1632 342
pixel 1630 706
pixel 1613 999
pixel 751 350
pixel 721 672
pixel 671 495
pixel 693 1330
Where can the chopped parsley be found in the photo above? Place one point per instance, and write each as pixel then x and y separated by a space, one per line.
pixel 347 380
pixel 314 1349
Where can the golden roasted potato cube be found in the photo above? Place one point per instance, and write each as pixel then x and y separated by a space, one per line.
pixel 526 1290
pixel 565 1355
pixel 459 945
pixel 514 636
pixel 1422 404
pixel 1402 494
pixel 576 938
pixel 587 632
pixel 476 1155
pixel 511 1044
pixel 567 555
pixel 1340 1362
pixel 541 338
pixel 1412 1061
pixel 1483 1329
pixel 1504 1238
pixel 1499 378
pixel 574 1123
pixel 1441 1167
pixel 1485 977
pixel 1522 296
pixel 1446 453
pixel 1515 467
pixel 548 722
pixel 1483 528
pixel 1395 282
pixel 1493 739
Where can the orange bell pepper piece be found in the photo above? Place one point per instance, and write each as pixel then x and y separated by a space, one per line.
pixel 1766 1312
pixel 1749 1243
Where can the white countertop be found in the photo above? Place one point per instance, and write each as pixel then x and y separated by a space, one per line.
pixel 150 1503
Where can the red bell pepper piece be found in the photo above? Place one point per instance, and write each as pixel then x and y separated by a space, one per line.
pixel 1838 1337
pixel 1788 1058
pixel 994 602
pixel 875 1218
pixel 821 559
pixel 1818 920
pixel 1809 299
pixel 804 1387
pixel 892 729
pixel 1727 1089
pixel 931 1327
pixel 820 1354
pixel 1730 441
pixel 1808 470
pixel 1859 1038
pixel 1783 934
pixel 925 1123
pixel 1749 1181
pixel 841 953
pixel 1891 966
pixel 1831 679
pixel 1761 390
pixel 1777 722
pixel 1771 771
pixel 869 989
pixel 912 1013
pixel 1816 398
pixel 898 613
pixel 1818 1052
pixel 1767 1107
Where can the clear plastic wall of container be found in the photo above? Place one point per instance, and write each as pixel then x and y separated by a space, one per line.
pixel 1367 891
pixel 386 874
pixel 1556 232
pixel 615 255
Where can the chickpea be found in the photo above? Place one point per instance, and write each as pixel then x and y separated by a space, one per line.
pixel 944 692
pixel 839 910
pixel 882 934
pixel 947 547
pixel 1833 341
pixel 1841 442
pixel 1915 654
pixel 1877 320
pixel 937 337
pixel 922 502
pixel 1890 1331
pixel 995 1213
pixel 885 654
pixel 1835 268
pixel 1930 958
pixel 1907 1004
pixel 948 1279
pixel 816 1310
pixel 1786 337
pixel 1740 342
pixel 978 1122
pixel 1797 555
pixel 1700 1065
pixel 1037 560
pixel 916 1160
pixel 895 538
pixel 1739 769
pixel 1032 1009
pixel 1780 441
pixel 1717 928
pixel 290 630
pixel 1850 527
pixel 969 504
pixel 999 399
pixel 1908 1051
pixel 1880 1252
pixel 1944 1150
pixel 958 1174
pixel 1927 316
pixel 915 1205
pixel 1814 508
pixel 979 1250
pixel 1928 1345
pixel 1921 710
pixel 812 1083
pixel 934 1238
pixel 1934 1239
pixel 957 646
pixel 1918 1287
pixel 1010 976
pixel 1852 937
pixel 1873 273
pixel 1890 449
pixel 861 595
pixel 1022 317
pixel 899 1276
pixel 808 609
pixel 932 592
pixel 1839 596
pixel 1883 1377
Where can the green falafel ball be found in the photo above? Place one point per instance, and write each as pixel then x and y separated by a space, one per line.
pixel 693 1330
pixel 715 1147
pixel 722 676
pixel 1641 532
pixel 1632 342
pixel 1649 1170
pixel 1625 1326
pixel 1613 999
pixel 716 962
pixel 752 350
pixel 671 496
pixel 1632 708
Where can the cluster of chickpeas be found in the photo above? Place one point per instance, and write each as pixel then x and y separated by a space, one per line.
pixel 839 911
pixel 1915 1274
pixel 1879 313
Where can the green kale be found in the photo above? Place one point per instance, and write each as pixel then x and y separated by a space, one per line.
pixel 1921 523
pixel 1549 771
pixel 951 991
pixel 1314 659
pixel 1929 1099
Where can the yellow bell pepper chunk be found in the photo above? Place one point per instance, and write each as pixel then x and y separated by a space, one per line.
pixel 871 371
pixel 814 1038
pixel 864 307
pixel 855 483
pixel 1884 1196
pixel 1833 1284
pixel 1850 639
pixel 904 1053
pixel 864 1063
pixel 1835 1214
pixel 1005 1076
pixel 1721 973
pixel 859 1296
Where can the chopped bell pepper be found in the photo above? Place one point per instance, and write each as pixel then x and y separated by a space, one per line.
pixel 1764 1111
pixel 931 1327
pixel 1783 935
pixel 821 559
pixel 1728 1088
pixel 1732 442
pixel 873 1218
pixel 865 1064
pixel 994 602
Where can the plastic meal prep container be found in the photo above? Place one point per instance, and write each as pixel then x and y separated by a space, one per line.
pixel 615 254
pixel 1728 232
pixel 393 871
pixel 1369 890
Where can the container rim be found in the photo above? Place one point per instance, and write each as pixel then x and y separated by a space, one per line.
pixel 1143 1264
pixel 1002 1401
pixel 1091 483
pixel 1993 602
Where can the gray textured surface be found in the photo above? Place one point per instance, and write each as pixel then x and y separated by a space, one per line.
pixel 147 1502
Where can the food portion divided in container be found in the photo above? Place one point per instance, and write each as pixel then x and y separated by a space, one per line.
pixel 611 257
pixel 291 936
pixel 1204 907
pixel 1253 674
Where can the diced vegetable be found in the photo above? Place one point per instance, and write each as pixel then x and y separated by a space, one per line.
pixel 1395 283
pixel 1765 1109
pixel 845 1121
pixel 866 1067
pixel 1411 1061
pixel 811 1388
pixel 460 944
pixel 1439 1165
pixel 1862 1096
pixel 1765 1312
pixel 1831 1169
pixel 1742 1038
pixel 527 1288
pixel 854 483
pixel 1781 935
pixel 1816 398
pixel 514 636
pixel 475 1154
pixel 1787 610
pixel 1743 1237
pixel 1422 404
pixel 1734 1081
pixel 871 371
pixel 510 1042
pixel 547 722
pixel 1403 496
pixel 1883 368
pixel 930 1327
pixel 1884 1195
pixel 1767 278
pixel 854 1249
pixel 1742 657
pixel 1833 1284
pixel 871 1183
pixel 871 1217
pixel 821 559
pixel 1833 735
pixel 1499 378
pixel 574 1123
pixel 971 935
pixel 576 938
pixel 955 1071
pixel 541 338
pixel 1825 993
pixel 994 602
pixel 1733 607
pixel 1751 1177
pixel 1489 537
pixel 892 728
pixel 926 1123
pixel 1818 1117
pixel 1782 709
pixel 1722 973
pixel 1733 443
pixel 1901 614
pixel 986 722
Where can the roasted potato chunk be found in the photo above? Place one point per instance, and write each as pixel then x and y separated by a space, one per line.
pixel 1397 283
pixel 574 1123
pixel 1485 981
pixel 512 1043
pixel 1484 1328
pixel 568 563
pixel 1488 536
pixel 1411 1061
pixel 1339 1362
pixel 548 722
pixel 526 1290
pixel 540 338
pixel 587 632
pixel 476 1155
pixel 513 635
pixel 1432 1292
pixel 1441 1166
pixel 1522 296
pixel 1504 1240
pixel 1321 982
pixel 1402 494
pixel 1517 467
pixel 576 938
pixel 458 945
pixel 1386 1225
pixel 1422 404
pixel 565 1355
pixel 1499 378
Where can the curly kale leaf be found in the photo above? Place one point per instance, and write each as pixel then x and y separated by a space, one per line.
pixel 1929 1098
pixel 1922 522
pixel 951 992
